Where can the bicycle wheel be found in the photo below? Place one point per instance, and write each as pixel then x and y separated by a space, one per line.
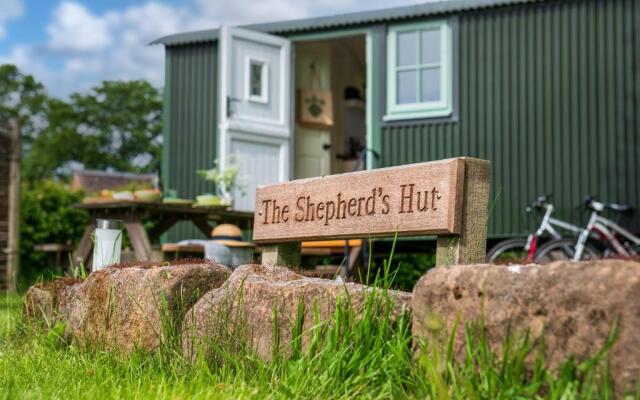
pixel 508 250
pixel 564 249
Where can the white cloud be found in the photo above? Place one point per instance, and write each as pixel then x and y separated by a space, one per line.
pixel 237 12
pixel 74 28
pixel 83 48
pixel 11 9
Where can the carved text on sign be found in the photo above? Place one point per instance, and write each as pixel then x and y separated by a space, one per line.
pixel 343 207
pixel 408 199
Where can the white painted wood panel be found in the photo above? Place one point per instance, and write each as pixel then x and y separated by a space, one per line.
pixel 259 165
pixel 256 133
pixel 243 51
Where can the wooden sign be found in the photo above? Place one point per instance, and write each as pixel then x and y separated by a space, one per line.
pixel 412 199
pixel 447 198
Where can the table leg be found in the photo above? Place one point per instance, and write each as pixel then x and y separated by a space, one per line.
pixel 203 226
pixel 83 251
pixel 139 240
pixel 162 226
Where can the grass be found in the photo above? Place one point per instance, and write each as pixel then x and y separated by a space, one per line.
pixel 354 356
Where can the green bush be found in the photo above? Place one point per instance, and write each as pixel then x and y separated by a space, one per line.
pixel 404 270
pixel 47 216
pixel 410 267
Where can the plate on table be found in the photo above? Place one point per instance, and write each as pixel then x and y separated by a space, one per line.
pixel 183 202
pixel 96 200
pixel 213 207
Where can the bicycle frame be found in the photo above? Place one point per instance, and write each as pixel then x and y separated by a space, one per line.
pixel 607 230
pixel 547 225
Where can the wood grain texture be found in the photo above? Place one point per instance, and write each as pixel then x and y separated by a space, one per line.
pixel 283 254
pixel 424 198
pixel 469 247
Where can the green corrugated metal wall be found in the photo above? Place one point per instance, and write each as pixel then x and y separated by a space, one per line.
pixel 191 80
pixel 550 93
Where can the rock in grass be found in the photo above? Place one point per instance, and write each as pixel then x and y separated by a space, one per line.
pixel 50 302
pixel 261 305
pixel 572 306
pixel 127 307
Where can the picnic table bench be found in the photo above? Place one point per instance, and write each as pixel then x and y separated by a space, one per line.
pixel 349 248
pixel 133 213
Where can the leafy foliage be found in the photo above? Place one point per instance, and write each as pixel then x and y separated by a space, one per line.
pixel 23 98
pixel 410 267
pixel 225 181
pixel 47 217
pixel 115 126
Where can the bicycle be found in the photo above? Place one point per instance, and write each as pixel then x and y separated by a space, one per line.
pixel 606 234
pixel 521 248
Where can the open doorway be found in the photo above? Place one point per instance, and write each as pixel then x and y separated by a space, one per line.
pixel 330 113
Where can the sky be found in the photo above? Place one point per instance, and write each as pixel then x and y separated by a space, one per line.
pixel 73 45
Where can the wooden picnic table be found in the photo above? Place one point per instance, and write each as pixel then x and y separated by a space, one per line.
pixel 166 215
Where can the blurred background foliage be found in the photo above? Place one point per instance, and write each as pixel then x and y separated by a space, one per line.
pixel 114 126
pixel 47 217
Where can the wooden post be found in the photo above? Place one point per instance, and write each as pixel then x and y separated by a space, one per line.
pixel 470 246
pixel 284 254
pixel 13 248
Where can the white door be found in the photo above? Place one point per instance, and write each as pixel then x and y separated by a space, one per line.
pixel 312 157
pixel 255 109
pixel 312 154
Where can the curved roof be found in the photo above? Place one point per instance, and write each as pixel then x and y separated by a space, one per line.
pixel 343 20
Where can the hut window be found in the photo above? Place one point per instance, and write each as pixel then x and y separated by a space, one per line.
pixel 256 80
pixel 419 70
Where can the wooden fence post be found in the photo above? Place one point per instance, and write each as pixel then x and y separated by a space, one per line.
pixel 13 247
pixel 470 246
pixel 282 254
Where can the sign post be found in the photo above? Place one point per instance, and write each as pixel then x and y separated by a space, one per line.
pixel 447 198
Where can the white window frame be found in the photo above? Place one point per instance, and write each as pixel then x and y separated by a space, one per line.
pixel 264 77
pixel 431 109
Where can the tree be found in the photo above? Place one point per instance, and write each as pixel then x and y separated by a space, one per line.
pixel 115 126
pixel 23 98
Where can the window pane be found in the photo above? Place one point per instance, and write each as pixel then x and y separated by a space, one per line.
pixel 407 46
pixel 407 87
pixel 256 79
pixel 430 46
pixel 430 82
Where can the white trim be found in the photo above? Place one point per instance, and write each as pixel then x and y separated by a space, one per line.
pixel 223 93
pixel 441 108
pixel 257 127
pixel 368 96
pixel 264 80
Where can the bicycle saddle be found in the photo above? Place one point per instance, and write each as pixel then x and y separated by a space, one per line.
pixel 593 204
pixel 620 208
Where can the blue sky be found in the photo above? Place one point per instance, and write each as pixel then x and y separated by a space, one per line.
pixel 72 45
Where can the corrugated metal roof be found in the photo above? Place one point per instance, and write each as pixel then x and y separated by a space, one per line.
pixel 342 20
